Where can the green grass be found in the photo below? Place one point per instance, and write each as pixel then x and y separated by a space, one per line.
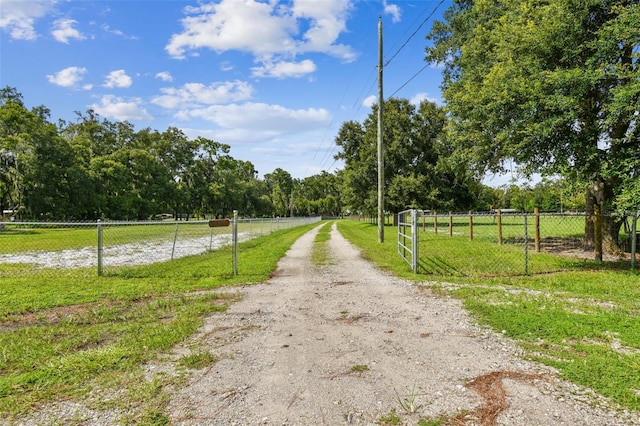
pixel 485 227
pixel 321 254
pixel 52 237
pixel 72 335
pixel 457 256
pixel 582 319
pixel 17 238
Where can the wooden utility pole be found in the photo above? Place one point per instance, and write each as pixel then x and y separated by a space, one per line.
pixel 380 142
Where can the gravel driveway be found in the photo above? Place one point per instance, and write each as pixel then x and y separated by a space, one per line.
pixel 346 343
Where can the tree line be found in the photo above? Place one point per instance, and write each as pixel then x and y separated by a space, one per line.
pixel 94 168
pixel 551 86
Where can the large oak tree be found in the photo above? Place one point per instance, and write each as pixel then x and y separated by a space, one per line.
pixel 553 85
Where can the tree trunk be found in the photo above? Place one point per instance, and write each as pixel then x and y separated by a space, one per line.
pixel 607 241
pixel 610 234
pixel 589 221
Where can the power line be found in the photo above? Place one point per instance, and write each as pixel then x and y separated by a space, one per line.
pixel 408 81
pixel 414 33
pixel 326 156
pixel 349 84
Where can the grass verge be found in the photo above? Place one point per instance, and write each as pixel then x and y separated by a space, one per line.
pixel 582 320
pixel 72 336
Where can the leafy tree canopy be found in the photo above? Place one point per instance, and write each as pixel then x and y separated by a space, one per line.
pixel 553 85
pixel 417 173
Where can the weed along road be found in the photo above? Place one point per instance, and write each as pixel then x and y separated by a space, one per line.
pixel 330 340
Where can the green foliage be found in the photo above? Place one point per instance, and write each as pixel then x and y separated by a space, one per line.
pixel 416 167
pixel 553 87
pixel 280 186
pixel 318 195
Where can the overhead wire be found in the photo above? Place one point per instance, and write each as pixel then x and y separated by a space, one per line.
pixel 367 86
pixel 424 21
pixel 408 81
pixel 340 102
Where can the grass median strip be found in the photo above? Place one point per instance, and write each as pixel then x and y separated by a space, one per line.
pixel 321 254
pixel 582 320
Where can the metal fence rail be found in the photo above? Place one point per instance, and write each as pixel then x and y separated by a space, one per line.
pixel 109 245
pixel 508 244
pixel 408 244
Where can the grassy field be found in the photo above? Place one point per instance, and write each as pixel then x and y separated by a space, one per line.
pixel 582 320
pixel 70 335
pixel 485 227
pixel 40 236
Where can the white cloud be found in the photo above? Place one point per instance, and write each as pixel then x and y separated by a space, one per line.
pixel 164 76
pixel 63 31
pixel 261 119
pixel 198 94
pixel 419 97
pixel 327 20
pixel 18 17
pixel 285 69
pixel 393 10
pixel 106 28
pixel 370 101
pixel 68 77
pixel 231 24
pixel 268 30
pixel 123 110
pixel 226 66
pixel 119 79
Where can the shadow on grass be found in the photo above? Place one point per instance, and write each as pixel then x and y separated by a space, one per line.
pixel 437 265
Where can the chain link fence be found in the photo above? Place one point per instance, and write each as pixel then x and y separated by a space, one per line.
pixel 107 246
pixel 511 244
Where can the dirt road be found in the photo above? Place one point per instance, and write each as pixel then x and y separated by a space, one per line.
pixel 346 343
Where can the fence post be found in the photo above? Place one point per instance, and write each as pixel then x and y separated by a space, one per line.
pixel 414 238
pixel 499 216
pixel 634 239
pixel 435 221
pixel 470 225
pixel 450 223
pixel 99 248
pixel 536 213
pixel 597 238
pixel 526 246
pixel 234 236
pixel 175 237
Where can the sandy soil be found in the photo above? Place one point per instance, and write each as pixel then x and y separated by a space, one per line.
pixel 346 343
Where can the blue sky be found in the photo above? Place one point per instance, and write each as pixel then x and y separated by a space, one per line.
pixel 275 80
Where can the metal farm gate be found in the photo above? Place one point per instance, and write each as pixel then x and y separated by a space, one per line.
pixel 408 237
